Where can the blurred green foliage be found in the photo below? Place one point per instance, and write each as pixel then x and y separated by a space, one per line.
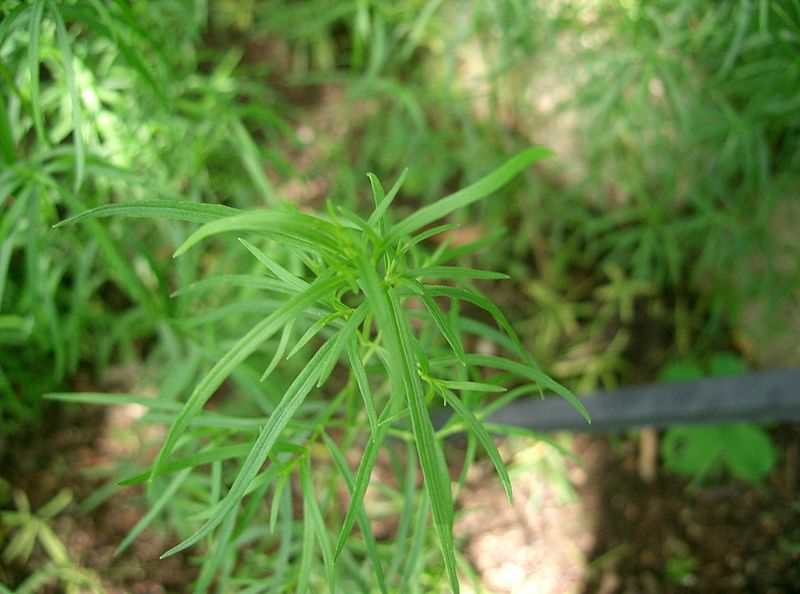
pixel 664 225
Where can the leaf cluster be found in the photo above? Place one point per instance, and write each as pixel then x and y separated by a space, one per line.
pixel 369 296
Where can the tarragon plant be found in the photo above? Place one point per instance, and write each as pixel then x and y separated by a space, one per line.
pixel 392 339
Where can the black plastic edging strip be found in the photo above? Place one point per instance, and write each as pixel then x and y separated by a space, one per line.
pixel 758 396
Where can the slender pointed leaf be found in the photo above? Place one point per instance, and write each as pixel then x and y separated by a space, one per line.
pixel 243 348
pixel 276 269
pixel 362 480
pixel 213 455
pixel 440 319
pixel 362 380
pixel 114 399
pixel 455 273
pixel 363 521
pixel 476 428
pixel 312 331
pixel 219 548
pixel 193 212
pixel 74 95
pixel 154 510
pixel 282 344
pixel 532 374
pixel 382 201
pixel 37 12
pixel 434 469
pixel 294 397
pixel 295 228
pixel 311 507
pixel 480 189
pixel 427 234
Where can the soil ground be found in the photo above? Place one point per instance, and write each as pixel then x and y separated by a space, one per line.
pixel 724 537
pixel 72 451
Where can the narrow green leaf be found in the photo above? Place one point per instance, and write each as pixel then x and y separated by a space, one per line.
pixel 476 298
pixel 219 548
pixel 311 507
pixel 295 228
pixel 243 348
pixel 470 386
pixel 153 511
pixel 114 399
pixel 357 223
pixel 282 344
pixel 262 307
pixel 213 455
pixel 111 251
pixel 431 458
pixel 533 374
pixel 407 513
pixel 362 480
pixel 193 212
pixel 37 11
pixel 74 95
pixel 427 234
pixel 251 281
pixel 56 505
pixel 251 159
pixel 8 153
pixel 332 357
pixel 276 269
pixel 363 521
pixel 378 195
pixel 480 189
pixel 440 319
pixel 312 331
pixel 306 554
pixel 277 495
pixel 8 232
pixel 477 429
pixel 294 397
pixel 447 254
pixel 476 328
pixel 360 373
pixel 382 201
pixel 414 556
pixel 455 273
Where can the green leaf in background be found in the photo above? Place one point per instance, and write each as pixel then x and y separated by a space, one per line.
pixel 744 450
pixel 463 198
pixel 157 209
pixel 748 451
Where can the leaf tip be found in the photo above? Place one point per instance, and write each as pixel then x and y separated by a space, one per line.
pixel 172 551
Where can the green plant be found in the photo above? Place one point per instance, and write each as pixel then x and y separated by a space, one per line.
pixel 22 529
pixel 745 450
pixel 674 160
pixel 93 108
pixel 365 292
pixel 692 143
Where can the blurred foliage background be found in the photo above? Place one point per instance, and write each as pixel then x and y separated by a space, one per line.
pixel 664 229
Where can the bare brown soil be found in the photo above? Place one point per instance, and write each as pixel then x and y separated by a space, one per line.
pixel 725 536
